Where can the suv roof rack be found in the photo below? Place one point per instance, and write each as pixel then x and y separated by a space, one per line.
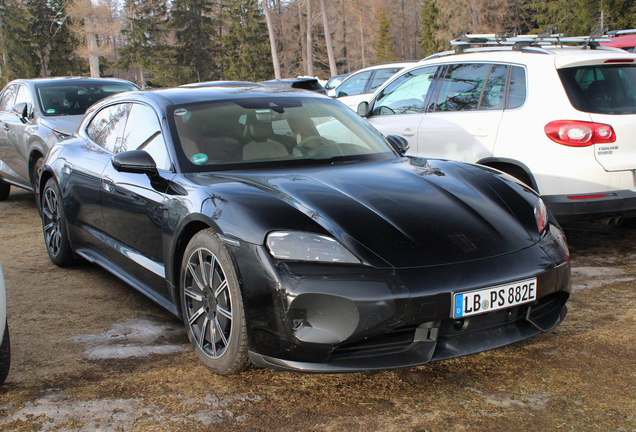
pixel 547 38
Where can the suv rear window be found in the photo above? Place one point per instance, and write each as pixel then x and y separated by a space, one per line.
pixel 601 89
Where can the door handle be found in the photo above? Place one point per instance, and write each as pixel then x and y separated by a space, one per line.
pixel 108 184
pixel 6 127
pixel 480 133
pixel 408 132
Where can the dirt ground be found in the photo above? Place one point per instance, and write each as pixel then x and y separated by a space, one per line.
pixel 91 354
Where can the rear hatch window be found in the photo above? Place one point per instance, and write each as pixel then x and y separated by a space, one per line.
pixel 601 89
pixel 608 94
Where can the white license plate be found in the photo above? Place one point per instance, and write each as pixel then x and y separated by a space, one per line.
pixel 494 298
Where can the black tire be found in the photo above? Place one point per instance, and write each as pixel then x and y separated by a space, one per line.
pixel 35 182
pixel 5 355
pixel 5 190
pixel 212 305
pixel 54 226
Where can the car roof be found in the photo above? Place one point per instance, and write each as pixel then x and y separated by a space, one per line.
pixel 404 63
pixel 221 84
pixel 181 95
pixel 559 56
pixel 69 80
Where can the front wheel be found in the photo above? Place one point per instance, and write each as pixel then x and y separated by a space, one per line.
pixel 54 226
pixel 212 305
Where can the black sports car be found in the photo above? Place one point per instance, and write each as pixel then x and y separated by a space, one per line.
pixel 286 231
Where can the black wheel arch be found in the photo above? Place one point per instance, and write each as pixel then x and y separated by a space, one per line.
pixel 513 167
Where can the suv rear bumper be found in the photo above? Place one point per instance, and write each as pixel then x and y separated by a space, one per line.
pixel 570 208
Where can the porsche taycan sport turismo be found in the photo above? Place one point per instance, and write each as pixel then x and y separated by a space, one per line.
pixel 289 233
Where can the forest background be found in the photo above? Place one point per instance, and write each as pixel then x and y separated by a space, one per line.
pixel 163 43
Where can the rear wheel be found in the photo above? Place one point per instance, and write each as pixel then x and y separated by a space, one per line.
pixel 212 305
pixel 54 226
pixel 5 189
pixel 5 355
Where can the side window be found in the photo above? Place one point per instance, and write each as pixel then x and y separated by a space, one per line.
pixel 517 92
pixel 24 95
pixel 143 132
pixel 406 94
pixel 105 127
pixel 462 87
pixel 495 90
pixel 380 77
pixel 8 97
pixel 354 85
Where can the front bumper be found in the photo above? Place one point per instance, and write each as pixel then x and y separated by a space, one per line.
pixel 329 319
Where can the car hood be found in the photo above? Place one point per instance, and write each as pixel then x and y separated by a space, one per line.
pixel 64 124
pixel 409 212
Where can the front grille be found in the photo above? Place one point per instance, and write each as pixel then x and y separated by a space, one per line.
pixel 392 342
pixel 456 327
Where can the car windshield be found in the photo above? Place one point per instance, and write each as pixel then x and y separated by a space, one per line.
pixel 280 130
pixel 74 99
pixel 601 89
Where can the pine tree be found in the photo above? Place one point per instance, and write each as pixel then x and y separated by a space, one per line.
pixel 246 51
pixel 384 46
pixel 429 16
pixel 196 34
pixel 18 56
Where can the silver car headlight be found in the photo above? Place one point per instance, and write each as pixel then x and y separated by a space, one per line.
pixel 301 246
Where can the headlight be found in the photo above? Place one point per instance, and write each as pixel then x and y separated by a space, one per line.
pixel 541 215
pixel 300 246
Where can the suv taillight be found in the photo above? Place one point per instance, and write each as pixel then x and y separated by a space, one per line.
pixel 579 133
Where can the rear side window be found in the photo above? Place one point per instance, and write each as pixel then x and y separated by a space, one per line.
pixel 517 92
pixel 380 77
pixel 601 89
pixel 465 84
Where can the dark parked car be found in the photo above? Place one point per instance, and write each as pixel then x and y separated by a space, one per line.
pixel 304 83
pixel 284 229
pixel 36 113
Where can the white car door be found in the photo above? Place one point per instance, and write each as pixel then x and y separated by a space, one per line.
pixel 462 121
pixel 398 109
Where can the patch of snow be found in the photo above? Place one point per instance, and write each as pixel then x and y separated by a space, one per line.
pixel 140 337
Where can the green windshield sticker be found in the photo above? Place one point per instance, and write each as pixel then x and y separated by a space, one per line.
pixel 50 111
pixel 199 158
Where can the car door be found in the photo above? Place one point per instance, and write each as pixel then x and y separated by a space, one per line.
pixel 82 176
pixel 133 204
pixel 7 102
pixel 463 117
pixel 399 108
pixel 17 147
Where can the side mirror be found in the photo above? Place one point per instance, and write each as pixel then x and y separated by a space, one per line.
pixel 21 110
pixel 398 143
pixel 341 94
pixel 135 162
pixel 363 109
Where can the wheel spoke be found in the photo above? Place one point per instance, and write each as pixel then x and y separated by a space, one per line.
pixel 202 267
pixel 47 213
pixel 220 330
pixel 193 295
pixel 219 290
pixel 193 272
pixel 213 339
pixel 195 316
pixel 49 226
pixel 224 312
pixel 204 329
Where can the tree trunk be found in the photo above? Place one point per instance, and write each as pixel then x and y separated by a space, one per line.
pixel 272 40
pixel 325 22
pixel 303 42
pixel 93 56
pixel 364 60
pixel 310 43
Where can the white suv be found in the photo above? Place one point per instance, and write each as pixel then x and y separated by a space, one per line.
pixel 561 119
